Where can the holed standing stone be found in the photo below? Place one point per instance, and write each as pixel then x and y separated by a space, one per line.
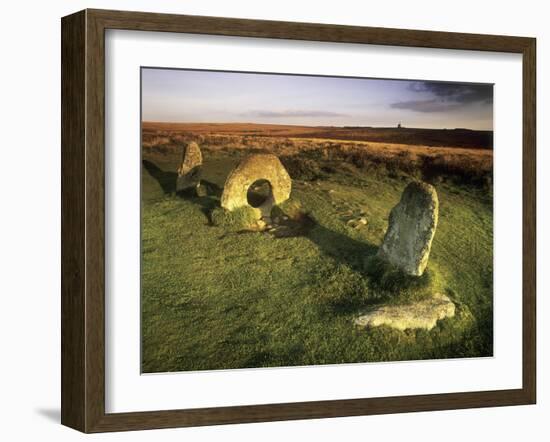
pixel 189 172
pixel 411 228
pixel 250 170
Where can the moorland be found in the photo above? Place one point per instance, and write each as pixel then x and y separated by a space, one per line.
pixel 220 298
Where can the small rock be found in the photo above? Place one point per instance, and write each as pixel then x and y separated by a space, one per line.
pixel 357 223
pixel 201 190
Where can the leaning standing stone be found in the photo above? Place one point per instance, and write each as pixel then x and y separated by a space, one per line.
pixel 411 229
pixel 189 172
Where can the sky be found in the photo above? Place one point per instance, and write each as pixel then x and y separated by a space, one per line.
pixel 194 96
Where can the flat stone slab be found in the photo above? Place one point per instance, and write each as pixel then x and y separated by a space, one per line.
pixel 423 314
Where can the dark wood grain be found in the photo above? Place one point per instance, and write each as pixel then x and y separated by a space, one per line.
pixel 83 220
pixel 529 220
pixel 95 221
pixel 193 24
pixel 73 253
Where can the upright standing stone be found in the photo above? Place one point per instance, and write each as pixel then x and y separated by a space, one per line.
pixel 255 168
pixel 189 172
pixel 411 229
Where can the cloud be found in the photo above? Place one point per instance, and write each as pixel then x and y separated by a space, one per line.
pixel 426 105
pixel 293 113
pixel 442 97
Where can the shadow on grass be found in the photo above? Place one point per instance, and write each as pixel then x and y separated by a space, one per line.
pixel 389 278
pixel 342 248
pixel 344 288
pixel 371 281
pixel 167 181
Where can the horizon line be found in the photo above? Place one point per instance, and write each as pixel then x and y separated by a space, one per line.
pixel 314 126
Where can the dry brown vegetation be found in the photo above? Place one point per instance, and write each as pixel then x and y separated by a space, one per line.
pixel 465 138
pixel 308 155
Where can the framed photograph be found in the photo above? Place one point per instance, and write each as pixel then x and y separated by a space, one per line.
pixel 267 221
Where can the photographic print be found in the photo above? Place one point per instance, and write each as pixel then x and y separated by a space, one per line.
pixel 297 220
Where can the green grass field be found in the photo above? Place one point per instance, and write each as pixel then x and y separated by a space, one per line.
pixel 216 298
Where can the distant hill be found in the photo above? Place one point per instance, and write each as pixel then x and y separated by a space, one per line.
pixel 459 137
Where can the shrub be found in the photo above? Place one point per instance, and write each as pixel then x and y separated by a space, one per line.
pixel 302 168
pixel 462 169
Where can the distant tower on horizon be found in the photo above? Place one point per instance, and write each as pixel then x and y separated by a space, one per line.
pixel 399 125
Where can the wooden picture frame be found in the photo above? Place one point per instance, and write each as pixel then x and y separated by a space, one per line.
pixel 83 220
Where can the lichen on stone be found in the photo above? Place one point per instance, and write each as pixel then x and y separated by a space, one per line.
pixel 418 315
pixel 189 171
pixel 411 227
pixel 250 170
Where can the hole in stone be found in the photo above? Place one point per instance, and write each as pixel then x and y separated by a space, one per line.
pixel 258 193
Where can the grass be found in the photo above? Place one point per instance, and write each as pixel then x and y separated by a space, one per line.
pixel 240 219
pixel 214 297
